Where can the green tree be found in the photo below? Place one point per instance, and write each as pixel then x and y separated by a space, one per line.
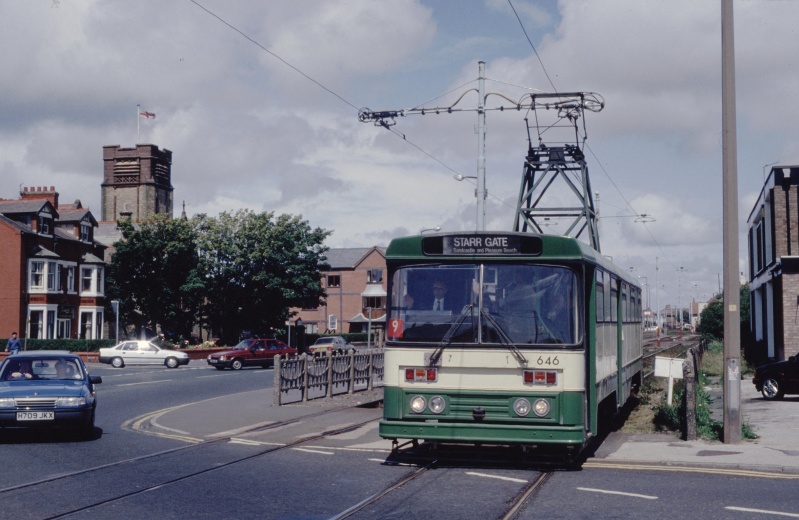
pixel 154 275
pixel 711 320
pixel 255 267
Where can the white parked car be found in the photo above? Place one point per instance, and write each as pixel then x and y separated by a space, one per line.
pixel 142 353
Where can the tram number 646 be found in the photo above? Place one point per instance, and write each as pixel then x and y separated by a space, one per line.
pixel 548 361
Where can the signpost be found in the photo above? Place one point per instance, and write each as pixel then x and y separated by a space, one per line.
pixel 671 368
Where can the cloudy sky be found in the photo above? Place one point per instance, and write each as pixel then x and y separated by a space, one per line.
pixel 258 102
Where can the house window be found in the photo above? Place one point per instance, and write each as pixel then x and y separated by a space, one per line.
pixel 91 323
pixel 50 324
pixel 37 275
pixel 35 325
pixel 71 279
pixel 52 276
pixel 91 280
pixel 334 280
pixel 375 302
pixel 86 277
pixel 85 229
pixel 86 327
pixel 44 225
pixel 374 275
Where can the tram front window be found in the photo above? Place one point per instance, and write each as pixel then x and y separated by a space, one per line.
pixel 488 304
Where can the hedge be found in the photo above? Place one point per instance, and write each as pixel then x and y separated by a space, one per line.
pixel 70 345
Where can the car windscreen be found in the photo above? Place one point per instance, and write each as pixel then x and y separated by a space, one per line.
pixel 42 369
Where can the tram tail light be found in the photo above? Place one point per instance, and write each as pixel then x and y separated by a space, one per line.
pixel 540 377
pixel 421 374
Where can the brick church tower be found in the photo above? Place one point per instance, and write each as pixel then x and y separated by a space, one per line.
pixel 137 182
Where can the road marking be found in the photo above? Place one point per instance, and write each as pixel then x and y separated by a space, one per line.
pixel 314 451
pixel 687 469
pixel 487 475
pixel 608 492
pixel 146 382
pixel 763 511
pixel 137 425
pixel 245 442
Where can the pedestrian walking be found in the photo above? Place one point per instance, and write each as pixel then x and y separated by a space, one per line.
pixel 13 344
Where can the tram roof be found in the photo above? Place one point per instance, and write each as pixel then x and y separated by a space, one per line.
pixel 552 247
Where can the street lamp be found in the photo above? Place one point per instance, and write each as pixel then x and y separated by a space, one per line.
pixel 458 177
pixel 425 230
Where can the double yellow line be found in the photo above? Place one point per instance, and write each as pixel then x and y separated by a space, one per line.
pixel 694 469
pixel 142 423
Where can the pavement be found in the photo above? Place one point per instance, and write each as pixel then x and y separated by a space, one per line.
pixel 776 423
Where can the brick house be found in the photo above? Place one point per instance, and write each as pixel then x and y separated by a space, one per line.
pixel 52 283
pixel 773 240
pixel 354 284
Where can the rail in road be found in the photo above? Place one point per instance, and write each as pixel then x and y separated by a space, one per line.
pixel 124 479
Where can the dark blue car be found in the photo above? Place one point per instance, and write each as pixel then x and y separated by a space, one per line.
pixel 47 389
pixel 774 380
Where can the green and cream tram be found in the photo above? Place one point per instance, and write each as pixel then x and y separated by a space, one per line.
pixel 506 338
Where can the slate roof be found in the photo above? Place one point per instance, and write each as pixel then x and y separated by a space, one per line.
pixel 349 257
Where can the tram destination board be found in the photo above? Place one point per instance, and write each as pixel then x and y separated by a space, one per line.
pixel 482 245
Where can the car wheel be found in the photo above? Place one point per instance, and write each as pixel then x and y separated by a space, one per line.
pixel 772 389
pixel 117 362
pixel 236 364
pixel 171 362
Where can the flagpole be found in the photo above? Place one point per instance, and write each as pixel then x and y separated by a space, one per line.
pixel 138 117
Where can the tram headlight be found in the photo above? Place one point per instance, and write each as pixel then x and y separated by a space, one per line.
pixel 541 407
pixel 521 407
pixel 418 404
pixel 437 404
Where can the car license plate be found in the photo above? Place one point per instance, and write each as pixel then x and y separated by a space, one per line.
pixel 35 416
pixel 213 361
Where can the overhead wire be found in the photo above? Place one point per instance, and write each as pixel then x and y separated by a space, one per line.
pixel 255 42
pixel 324 87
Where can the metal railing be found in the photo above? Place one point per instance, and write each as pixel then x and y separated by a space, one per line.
pixel 305 377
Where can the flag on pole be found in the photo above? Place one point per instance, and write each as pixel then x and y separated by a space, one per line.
pixel 148 115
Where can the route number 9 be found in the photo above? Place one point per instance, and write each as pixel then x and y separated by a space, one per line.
pixel 395 328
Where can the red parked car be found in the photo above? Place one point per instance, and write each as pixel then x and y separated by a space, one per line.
pixel 251 352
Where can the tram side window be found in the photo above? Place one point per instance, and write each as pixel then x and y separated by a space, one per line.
pixel 600 296
pixel 614 299
pixel 625 301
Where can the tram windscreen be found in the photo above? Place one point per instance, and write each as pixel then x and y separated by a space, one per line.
pixel 517 304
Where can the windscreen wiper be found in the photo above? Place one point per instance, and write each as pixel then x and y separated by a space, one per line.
pixel 447 339
pixel 504 338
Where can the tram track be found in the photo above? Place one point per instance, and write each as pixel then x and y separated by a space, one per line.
pixel 521 499
pixel 110 474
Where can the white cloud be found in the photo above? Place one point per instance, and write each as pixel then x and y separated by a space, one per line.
pixel 248 131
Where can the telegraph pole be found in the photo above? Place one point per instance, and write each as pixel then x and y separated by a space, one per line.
pixel 732 295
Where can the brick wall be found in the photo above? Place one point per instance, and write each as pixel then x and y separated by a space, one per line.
pixel 11 282
pixel 790 308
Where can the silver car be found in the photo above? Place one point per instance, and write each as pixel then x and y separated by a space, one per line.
pixel 330 343
pixel 134 352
